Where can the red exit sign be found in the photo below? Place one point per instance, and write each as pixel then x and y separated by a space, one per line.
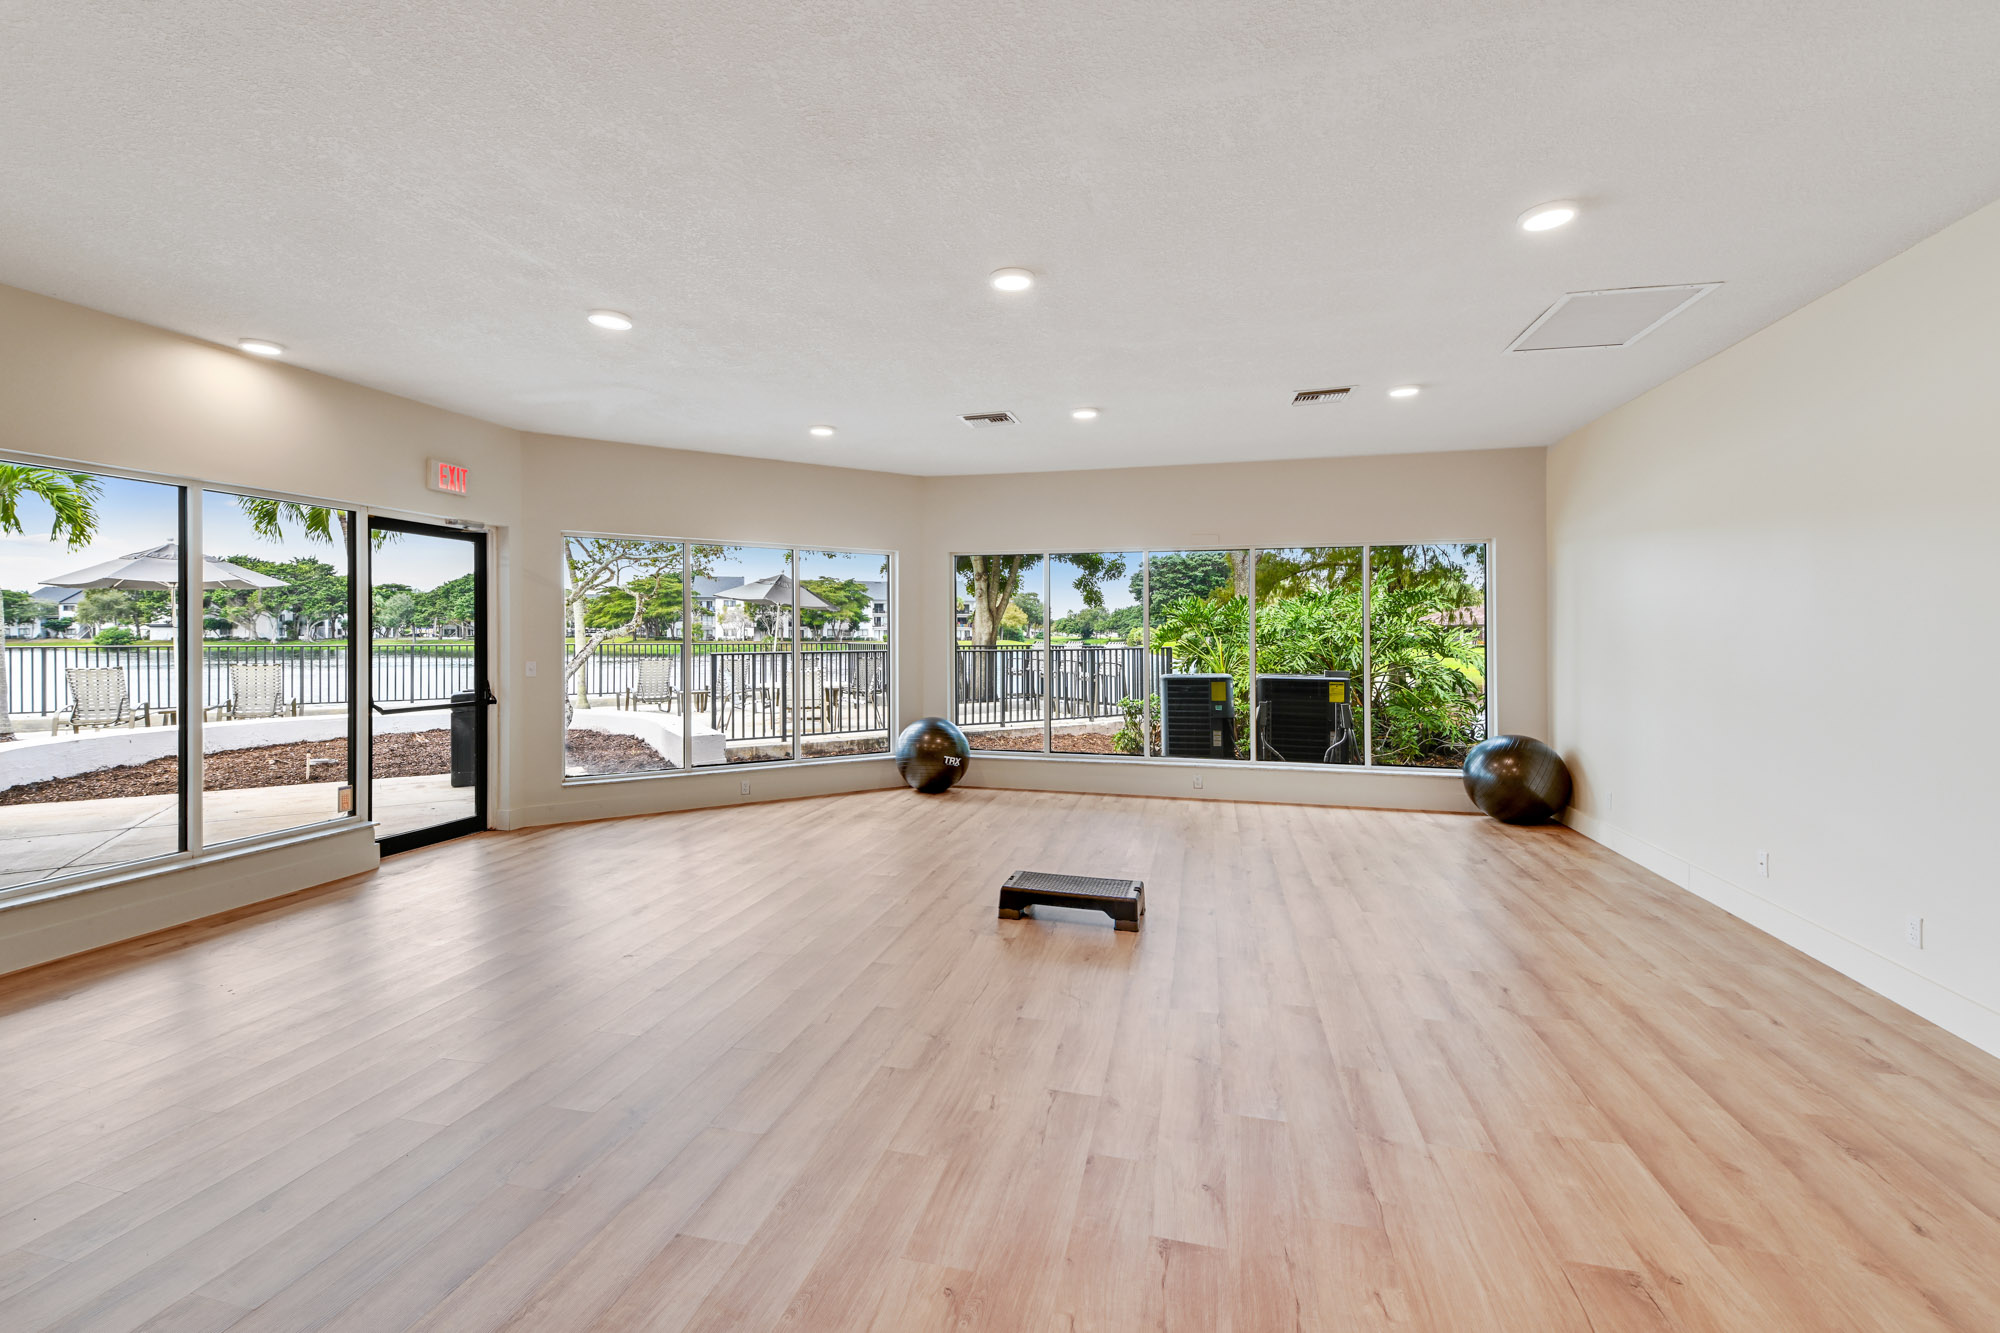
pixel 451 478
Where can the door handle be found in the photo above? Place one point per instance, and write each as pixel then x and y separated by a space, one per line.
pixel 485 697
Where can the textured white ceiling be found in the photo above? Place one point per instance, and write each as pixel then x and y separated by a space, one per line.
pixel 799 202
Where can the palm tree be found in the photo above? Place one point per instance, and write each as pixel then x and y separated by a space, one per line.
pixel 267 518
pixel 72 498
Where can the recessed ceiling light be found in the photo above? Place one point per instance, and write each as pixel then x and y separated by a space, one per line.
pixel 1547 217
pixel 261 346
pixel 1085 414
pixel 610 319
pixel 1012 280
pixel 1405 391
pixel 821 431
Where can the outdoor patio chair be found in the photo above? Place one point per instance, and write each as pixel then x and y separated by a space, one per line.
pixel 656 684
pixel 98 697
pixel 258 690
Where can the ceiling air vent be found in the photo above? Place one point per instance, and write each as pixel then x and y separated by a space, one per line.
pixel 1615 318
pixel 981 420
pixel 1321 395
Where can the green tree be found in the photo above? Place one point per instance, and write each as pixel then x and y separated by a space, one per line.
pixel 1188 574
pixel 450 605
pixel 593 566
pixel 71 498
pixel 648 607
pixel 314 595
pixel 1014 624
pixel 849 599
pixel 396 608
pixel 991 583
pixel 108 606
pixel 20 608
pixel 1094 622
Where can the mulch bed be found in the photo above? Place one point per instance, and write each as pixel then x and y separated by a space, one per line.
pixel 405 754
pixel 1067 742
pixel 596 752
pixel 830 749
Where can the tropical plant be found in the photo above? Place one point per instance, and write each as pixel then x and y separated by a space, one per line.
pixel 71 498
pixel 1131 737
pixel 1428 688
pixel 318 522
pixel 115 637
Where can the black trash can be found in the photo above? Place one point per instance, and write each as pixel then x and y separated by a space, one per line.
pixel 464 738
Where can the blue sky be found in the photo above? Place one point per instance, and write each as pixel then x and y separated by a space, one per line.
pixel 137 515
pixel 131 516
pixel 1065 600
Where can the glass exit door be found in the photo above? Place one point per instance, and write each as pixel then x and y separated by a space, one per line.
pixel 429 709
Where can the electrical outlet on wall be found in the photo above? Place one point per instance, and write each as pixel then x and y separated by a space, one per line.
pixel 1913 931
pixel 531 670
pixel 746 786
pixel 1197 782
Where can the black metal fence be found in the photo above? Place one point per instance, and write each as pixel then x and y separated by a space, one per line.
pixel 998 686
pixel 747 693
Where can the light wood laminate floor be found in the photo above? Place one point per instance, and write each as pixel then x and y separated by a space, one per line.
pixel 780 1066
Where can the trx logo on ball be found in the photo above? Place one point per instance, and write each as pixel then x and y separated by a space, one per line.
pixel 952 760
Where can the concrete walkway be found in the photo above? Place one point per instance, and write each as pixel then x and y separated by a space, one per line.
pixel 39 842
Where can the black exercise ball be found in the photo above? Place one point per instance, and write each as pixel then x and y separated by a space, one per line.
pixel 1517 780
pixel 931 754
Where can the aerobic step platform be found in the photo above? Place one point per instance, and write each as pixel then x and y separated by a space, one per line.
pixel 1123 900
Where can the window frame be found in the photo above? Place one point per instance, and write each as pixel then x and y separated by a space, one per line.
pixel 1489 694
pixel 687 768
pixel 190 661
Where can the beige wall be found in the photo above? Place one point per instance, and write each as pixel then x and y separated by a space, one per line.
pixel 1775 626
pixel 91 387
pixel 83 386
pixel 1494 496
pixel 591 486
pixel 86 387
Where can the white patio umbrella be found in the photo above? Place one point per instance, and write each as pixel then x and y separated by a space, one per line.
pixel 774 591
pixel 159 570
pixel 777 591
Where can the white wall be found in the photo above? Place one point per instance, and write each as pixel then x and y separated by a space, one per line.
pixel 1775 626
pixel 1493 496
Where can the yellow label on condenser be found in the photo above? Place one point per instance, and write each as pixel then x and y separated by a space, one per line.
pixel 1217 691
pixel 1335 692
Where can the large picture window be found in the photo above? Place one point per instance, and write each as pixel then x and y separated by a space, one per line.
pixel 105 702
pixel 277 665
pixel 1000 667
pixel 1333 655
pixel 684 655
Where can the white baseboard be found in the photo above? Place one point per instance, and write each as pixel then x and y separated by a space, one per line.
pixel 703 789
pixel 1955 1012
pixel 1377 789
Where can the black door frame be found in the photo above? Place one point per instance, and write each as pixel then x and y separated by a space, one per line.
pixel 481 685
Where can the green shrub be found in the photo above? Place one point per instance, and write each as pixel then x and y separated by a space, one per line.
pixel 115 637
